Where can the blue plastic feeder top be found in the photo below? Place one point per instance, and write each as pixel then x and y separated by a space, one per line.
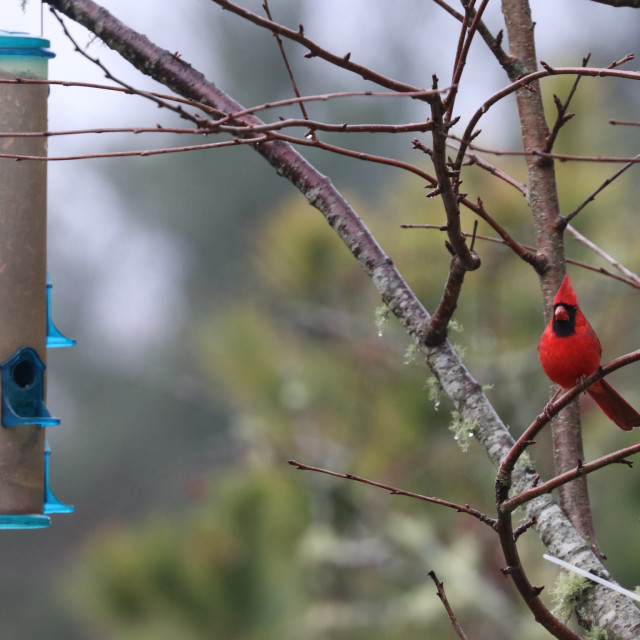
pixel 22 55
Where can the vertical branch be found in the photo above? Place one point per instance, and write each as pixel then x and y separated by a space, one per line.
pixel 548 222
pixel 466 36
pixel 464 258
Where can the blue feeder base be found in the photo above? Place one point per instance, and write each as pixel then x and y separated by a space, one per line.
pixel 35 521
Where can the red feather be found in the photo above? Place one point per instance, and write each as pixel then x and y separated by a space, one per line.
pixel 569 350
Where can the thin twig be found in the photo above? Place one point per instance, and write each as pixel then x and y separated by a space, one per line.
pixel 359 155
pixel 315 50
pixel 524 82
pixel 285 59
pixel 626 123
pixel 581 469
pixel 562 116
pixel 466 35
pixel 631 281
pixel 332 96
pixel 443 598
pixel 99 130
pixel 140 153
pixel 593 195
pixel 567 157
pixel 446 187
pixel 399 492
pixel 623 60
pixel 129 88
pixel 312 125
pixel 108 87
pixel 535 259
pixel 473 159
pixel 630 277
pixel 493 42
pixel 563 157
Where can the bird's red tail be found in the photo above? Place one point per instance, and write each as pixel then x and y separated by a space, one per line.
pixel 614 405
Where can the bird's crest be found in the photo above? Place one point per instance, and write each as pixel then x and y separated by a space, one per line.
pixel 566 295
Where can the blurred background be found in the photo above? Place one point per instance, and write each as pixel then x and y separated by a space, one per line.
pixel 222 329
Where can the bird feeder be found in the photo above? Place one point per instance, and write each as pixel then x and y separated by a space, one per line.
pixel 25 318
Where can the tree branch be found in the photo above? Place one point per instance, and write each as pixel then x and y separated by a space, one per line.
pixel 563 116
pixel 592 195
pixel 466 37
pixel 581 469
pixel 629 278
pixel 342 61
pixel 443 597
pixel 635 4
pixel 446 188
pixel 436 330
pixel 528 80
pixel 400 492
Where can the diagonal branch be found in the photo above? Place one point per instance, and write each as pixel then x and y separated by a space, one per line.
pixel 631 279
pixel 635 4
pixel 629 276
pixel 400 492
pixel 581 469
pixel 524 253
pixel 528 81
pixel 592 195
pixel 493 42
pixel 317 51
pixel 436 331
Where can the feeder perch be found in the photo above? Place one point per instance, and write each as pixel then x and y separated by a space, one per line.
pixel 55 339
pixel 51 503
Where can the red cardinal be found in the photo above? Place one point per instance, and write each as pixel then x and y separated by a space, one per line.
pixel 569 350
